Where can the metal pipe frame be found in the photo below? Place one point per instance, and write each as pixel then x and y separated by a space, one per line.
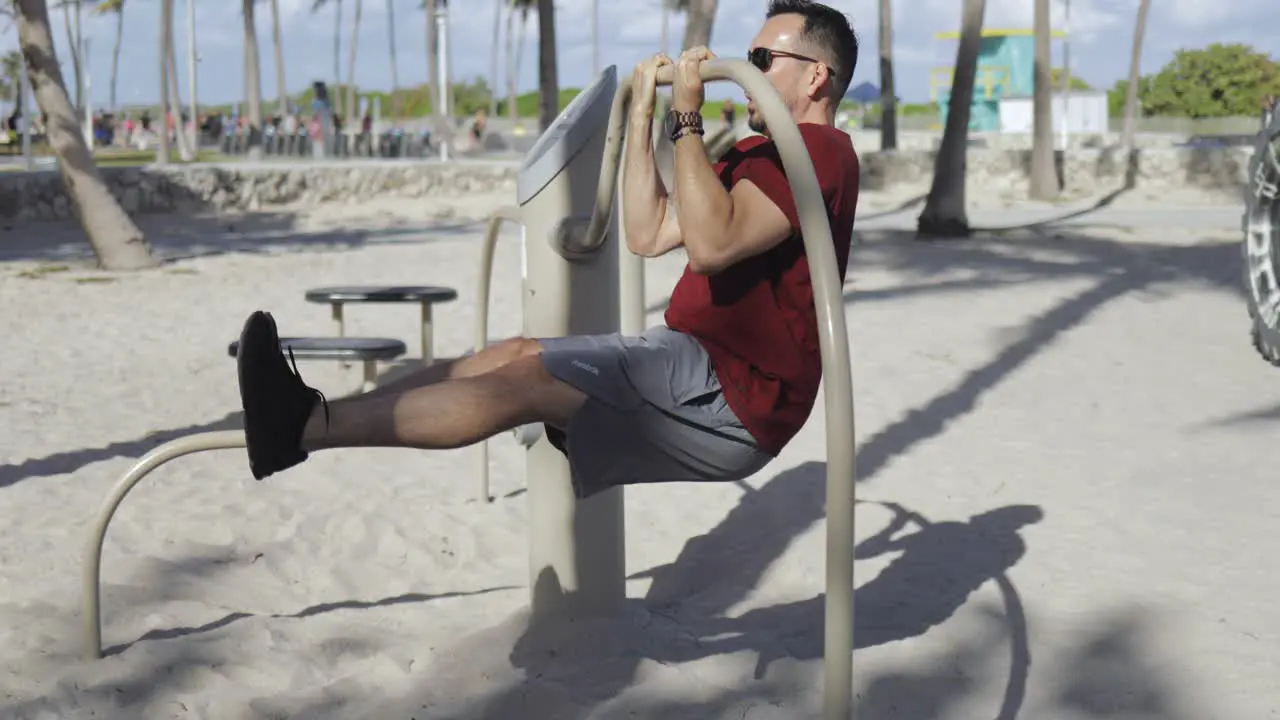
pixel 579 238
pixel 503 214
pixel 92 571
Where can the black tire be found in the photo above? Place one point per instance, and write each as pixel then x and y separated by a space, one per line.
pixel 1260 248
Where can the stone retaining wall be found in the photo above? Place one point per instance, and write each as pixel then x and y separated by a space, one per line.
pixel 1005 173
pixel 232 187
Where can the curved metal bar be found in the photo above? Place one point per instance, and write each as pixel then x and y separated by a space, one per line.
pixel 92 572
pixel 584 237
pixel 507 214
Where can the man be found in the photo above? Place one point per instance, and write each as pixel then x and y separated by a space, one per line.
pixel 713 395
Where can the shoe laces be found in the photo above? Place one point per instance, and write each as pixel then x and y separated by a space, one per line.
pixel 324 402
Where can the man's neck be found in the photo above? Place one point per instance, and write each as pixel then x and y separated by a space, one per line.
pixel 815 115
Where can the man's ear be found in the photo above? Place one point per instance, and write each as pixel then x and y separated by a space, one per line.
pixel 821 76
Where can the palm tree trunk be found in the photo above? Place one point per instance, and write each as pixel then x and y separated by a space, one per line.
pixel 548 75
pixel 1135 67
pixel 888 100
pixel 521 33
pixel 115 55
pixel 512 67
pixel 699 19
pixel 116 240
pixel 664 38
pixel 253 83
pixel 351 67
pixel 1044 179
pixel 282 90
pixel 494 49
pixel 73 42
pixel 175 97
pixel 161 125
pixel 391 48
pixel 337 53
pixel 944 210
pixel 433 65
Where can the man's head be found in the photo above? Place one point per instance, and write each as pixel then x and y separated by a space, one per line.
pixel 808 51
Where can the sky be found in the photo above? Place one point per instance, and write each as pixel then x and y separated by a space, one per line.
pixel 1100 39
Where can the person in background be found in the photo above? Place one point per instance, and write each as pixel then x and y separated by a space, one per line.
pixel 728 112
pixel 478 125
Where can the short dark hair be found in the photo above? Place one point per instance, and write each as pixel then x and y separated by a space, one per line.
pixel 828 29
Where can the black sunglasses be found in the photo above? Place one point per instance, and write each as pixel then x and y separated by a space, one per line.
pixel 762 57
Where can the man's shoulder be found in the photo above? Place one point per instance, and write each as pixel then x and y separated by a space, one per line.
pixel 829 140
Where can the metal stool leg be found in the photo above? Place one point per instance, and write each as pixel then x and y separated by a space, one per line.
pixel 427 334
pixel 370 375
pixel 340 325
pixel 335 311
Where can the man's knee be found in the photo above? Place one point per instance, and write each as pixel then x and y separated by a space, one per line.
pixel 519 347
pixel 542 396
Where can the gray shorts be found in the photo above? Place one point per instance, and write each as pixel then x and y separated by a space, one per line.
pixel 654 412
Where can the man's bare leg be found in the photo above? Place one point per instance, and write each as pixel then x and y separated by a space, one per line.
pixel 448 414
pixel 487 360
pixel 284 418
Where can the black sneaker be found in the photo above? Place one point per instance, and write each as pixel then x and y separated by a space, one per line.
pixel 277 404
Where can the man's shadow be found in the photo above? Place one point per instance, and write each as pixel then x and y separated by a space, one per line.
pixel 940 566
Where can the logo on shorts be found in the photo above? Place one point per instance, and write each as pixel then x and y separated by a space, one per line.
pixel 583 366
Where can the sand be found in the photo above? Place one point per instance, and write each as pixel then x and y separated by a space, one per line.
pixel 1068 508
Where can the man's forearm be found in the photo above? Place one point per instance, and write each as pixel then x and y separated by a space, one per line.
pixel 644 198
pixel 705 206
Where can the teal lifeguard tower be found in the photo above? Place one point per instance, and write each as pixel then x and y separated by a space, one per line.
pixel 1006 68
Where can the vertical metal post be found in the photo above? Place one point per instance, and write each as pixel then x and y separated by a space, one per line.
pixel 631 300
pixel 427 334
pixel 577 555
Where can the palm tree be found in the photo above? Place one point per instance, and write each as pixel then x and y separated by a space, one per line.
pixel 944 210
pixel 1044 179
pixel 252 81
pixel 493 57
pixel 391 48
pixel 172 100
pixel 117 7
pixel 316 6
pixel 548 74
pixel 700 16
pixel 351 64
pixel 116 240
pixel 515 52
pixel 282 90
pixel 433 62
pixel 1135 66
pixel 73 43
pixel 888 100
pixel 161 123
